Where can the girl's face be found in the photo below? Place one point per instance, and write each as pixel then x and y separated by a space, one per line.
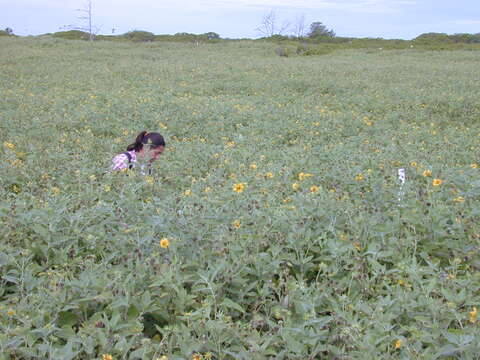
pixel 153 154
pixel 156 153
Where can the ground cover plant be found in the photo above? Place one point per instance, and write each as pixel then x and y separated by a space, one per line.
pixel 274 225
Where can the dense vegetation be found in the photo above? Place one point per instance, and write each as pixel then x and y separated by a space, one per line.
pixel 274 226
pixel 314 45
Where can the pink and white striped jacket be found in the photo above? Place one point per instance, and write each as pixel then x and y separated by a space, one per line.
pixel 121 162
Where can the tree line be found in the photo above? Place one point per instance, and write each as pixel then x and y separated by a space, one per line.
pixel 270 28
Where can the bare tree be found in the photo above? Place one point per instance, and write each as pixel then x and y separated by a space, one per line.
pixel 86 16
pixel 285 27
pixel 268 27
pixel 299 26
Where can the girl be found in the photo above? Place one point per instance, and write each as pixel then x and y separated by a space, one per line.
pixel 147 146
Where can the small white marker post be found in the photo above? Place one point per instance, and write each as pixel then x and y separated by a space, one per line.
pixel 401 177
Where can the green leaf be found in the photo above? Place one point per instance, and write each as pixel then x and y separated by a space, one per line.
pixel 232 305
pixel 67 318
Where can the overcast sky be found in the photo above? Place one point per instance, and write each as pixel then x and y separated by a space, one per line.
pixel 404 19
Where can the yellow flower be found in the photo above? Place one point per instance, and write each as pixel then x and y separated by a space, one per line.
pixel 16 189
pixel 269 175
pixel 359 177
pixel 107 357
pixel 287 200
pixel 45 176
pixel 9 145
pixel 474 166
pixel 230 144
pixel 413 164
pixel 55 190
pixel 303 176
pixel 238 188
pixel 437 182
pixel 149 179
pixel 295 186
pixel 187 192
pixel 459 199
pixel 398 344
pixel 10 312
pixel 253 166
pixel 473 315
pixel 164 243
pixel 236 224
pixel 208 356
pixel 208 189
pixel 427 173
pixel 403 283
pixel 357 245
pixel 197 357
pixel 93 177
pixel 163 357
pixel 314 189
pixel 107 188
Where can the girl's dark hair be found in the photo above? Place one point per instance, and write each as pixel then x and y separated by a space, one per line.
pixel 145 138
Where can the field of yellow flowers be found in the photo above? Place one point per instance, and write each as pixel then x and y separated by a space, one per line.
pixel 275 225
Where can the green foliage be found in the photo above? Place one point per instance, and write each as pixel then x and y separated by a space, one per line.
pixel 325 45
pixel 283 51
pixel 320 255
pixel 210 37
pixel 317 29
pixel 445 38
pixel 72 35
pixel 139 36
pixel 276 37
pixel 309 49
pixel 7 32
pixel 320 44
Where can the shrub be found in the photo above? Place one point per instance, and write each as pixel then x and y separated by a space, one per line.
pixel 7 32
pixel 313 50
pixel 212 35
pixel 72 35
pixel 432 37
pixel 318 29
pixel 139 36
pixel 463 38
pixel 283 51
